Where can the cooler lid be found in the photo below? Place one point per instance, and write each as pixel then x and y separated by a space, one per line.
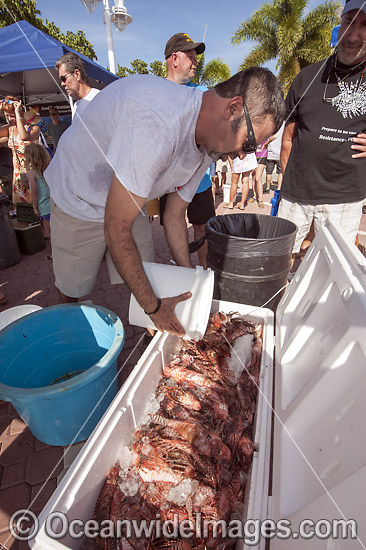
pixel 319 462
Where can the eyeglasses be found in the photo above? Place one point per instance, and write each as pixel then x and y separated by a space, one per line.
pixel 9 101
pixel 250 146
pixel 64 77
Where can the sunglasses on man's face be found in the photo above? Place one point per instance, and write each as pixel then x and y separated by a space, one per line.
pixel 250 146
pixel 64 77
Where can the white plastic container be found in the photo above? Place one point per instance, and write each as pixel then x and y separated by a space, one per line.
pixel 319 450
pixel 172 280
pixel 14 313
pixel 226 192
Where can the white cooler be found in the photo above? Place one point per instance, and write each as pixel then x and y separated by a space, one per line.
pixel 319 373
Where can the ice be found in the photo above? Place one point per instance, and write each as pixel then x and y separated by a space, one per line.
pixel 241 354
pixel 179 493
pixel 130 486
pixel 125 458
pixel 152 405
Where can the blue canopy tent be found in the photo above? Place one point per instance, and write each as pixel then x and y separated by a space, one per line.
pixel 27 61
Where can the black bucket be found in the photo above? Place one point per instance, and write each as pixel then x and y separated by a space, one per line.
pixel 9 249
pixel 251 257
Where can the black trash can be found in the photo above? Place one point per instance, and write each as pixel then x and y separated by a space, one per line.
pixel 250 255
pixel 9 248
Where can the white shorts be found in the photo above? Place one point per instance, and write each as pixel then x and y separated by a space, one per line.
pixel 78 247
pixel 248 163
pixel 346 215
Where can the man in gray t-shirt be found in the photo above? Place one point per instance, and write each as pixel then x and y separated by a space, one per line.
pixel 141 137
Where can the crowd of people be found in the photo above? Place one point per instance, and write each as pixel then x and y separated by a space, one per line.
pixel 176 141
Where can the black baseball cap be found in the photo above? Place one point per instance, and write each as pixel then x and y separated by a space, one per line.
pixel 181 42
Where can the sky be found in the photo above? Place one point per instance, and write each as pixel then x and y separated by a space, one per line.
pixel 155 21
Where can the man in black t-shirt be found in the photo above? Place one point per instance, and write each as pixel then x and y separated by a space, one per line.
pixel 323 153
pixel 57 127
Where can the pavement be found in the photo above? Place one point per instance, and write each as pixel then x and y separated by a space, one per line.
pixel 30 470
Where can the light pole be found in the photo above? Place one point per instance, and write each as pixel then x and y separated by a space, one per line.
pixel 119 17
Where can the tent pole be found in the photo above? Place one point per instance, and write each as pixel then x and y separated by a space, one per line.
pixel 23 88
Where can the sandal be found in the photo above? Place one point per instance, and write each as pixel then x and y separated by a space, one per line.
pixel 228 206
pixel 251 200
pixel 260 204
pixel 240 206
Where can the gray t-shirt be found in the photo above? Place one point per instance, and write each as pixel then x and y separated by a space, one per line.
pixel 141 127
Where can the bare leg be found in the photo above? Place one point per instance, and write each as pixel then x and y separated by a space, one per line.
pixel 244 189
pixel 223 179
pixel 258 183
pixel 233 189
pixel 198 232
pixel 216 182
pixel 268 181
pixel 67 299
pixel 46 228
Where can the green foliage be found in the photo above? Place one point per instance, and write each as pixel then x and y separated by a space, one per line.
pixel 284 33
pixel 16 10
pixel 140 67
pixel 211 73
pixel 158 68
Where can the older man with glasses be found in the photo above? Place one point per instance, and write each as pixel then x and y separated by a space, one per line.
pixel 57 127
pixel 323 155
pixel 74 78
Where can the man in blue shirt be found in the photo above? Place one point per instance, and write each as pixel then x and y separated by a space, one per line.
pixel 181 61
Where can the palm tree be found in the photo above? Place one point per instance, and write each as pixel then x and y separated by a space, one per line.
pixel 284 34
pixel 212 72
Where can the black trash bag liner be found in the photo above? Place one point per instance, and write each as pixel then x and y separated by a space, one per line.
pixel 241 235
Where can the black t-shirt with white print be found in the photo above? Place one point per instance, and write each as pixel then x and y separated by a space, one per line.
pixel 320 168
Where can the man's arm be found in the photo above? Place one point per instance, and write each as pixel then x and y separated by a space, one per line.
pixel 121 210
pixel 175 227
pixel 289 134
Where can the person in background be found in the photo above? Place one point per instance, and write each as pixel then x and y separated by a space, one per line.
pixel 181 62
pixel 323 153
pixel 261 155
pixel 222 168
pixel 36 161
pixel 57 127
pixel 273 160
pixel 6 168
pixel 241 167
pixel 99 184
pixel 74 78
pixel 19 132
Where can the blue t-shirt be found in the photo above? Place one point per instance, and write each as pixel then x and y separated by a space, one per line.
pixel 206 182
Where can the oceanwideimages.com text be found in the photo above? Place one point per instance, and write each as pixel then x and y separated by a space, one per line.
pixel 24 526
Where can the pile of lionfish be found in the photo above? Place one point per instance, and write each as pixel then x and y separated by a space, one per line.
pixel 202 433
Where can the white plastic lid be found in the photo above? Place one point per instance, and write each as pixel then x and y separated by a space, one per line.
pixel 172 280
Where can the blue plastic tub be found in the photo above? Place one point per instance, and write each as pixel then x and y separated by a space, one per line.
pixel 58 367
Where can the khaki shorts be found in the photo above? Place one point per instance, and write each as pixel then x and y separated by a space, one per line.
pixel 346 215
pixel 78 247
